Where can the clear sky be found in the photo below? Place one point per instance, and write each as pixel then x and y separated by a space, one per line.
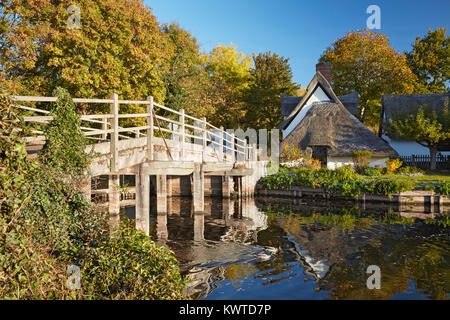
pixel 298 30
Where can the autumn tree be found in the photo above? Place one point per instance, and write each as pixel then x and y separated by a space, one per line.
pixel 364 61
pixel 270 77
pixel 430 61
pixel 118 48
pixel 423 124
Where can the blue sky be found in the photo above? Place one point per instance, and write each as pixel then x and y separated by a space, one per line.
pixel 298 30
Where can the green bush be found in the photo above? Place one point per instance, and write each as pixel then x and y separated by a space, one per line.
pixel 372 172
pixel 444 188
pixel 47 224
pixel 282 180
pixel 361 159
pixel 409 170
pixel 351 188
pixel 388 186
pixel 429 187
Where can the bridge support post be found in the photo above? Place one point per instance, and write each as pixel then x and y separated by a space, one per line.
pixel 227 210
pixel 142 201
pixel 114 201
pixel 199 226
pixel 198 192
pixel 162 233
pixel 245 186
pixel 227 186
pixel 161 193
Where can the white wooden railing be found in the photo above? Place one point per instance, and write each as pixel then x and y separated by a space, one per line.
pixel 181 127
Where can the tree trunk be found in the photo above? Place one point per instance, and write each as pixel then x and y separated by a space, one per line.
pixel 433 151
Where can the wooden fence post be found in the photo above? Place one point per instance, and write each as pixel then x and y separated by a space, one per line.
pixel 182 134
pixel 233 155
pixel 204 139
pixel 114 142
pixel 104 127
pixel 221 144
pixel 245 151
pixel 150 130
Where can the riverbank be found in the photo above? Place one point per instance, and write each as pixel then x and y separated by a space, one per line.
pixel 345 184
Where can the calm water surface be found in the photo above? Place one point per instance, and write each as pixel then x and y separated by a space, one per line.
pixel 324 250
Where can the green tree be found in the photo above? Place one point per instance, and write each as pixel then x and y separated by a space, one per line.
pixel 364 61
pixel 229 75
pixel 269 79
pixel 430 61
pixel 185 79
pixel 424 125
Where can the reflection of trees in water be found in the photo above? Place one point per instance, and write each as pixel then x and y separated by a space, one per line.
pixel 333 247
pixel 404 249
pixel 426 261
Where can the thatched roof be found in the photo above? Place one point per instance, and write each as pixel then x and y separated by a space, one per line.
pixel 330 124
pixel 405 103
pixel 288 103
pixel 317 80
pixel 350 102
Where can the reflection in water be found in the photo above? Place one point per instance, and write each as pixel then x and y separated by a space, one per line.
pixel 325 250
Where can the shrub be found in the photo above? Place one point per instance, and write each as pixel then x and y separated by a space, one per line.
pixel 47 224
pixel 372 172
pixel 444 188
pixel 389 186
pixel 406 170
pixel 361 159
pixel 429 187
pixel 313 164
pixel 344 173
pixel 290 153
pixel 351 188
pixel 393 164
pixel 282 180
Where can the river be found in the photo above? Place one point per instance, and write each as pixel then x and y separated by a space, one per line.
pixel 324 250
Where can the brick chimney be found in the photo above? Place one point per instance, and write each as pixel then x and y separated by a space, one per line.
pixel 325 69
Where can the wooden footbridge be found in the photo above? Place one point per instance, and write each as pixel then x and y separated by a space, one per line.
pixel 161 142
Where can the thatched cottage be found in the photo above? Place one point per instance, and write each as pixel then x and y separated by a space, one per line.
pixel 404 104
pixel 321 121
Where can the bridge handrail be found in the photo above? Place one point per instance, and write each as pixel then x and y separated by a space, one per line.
pixel 231 145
